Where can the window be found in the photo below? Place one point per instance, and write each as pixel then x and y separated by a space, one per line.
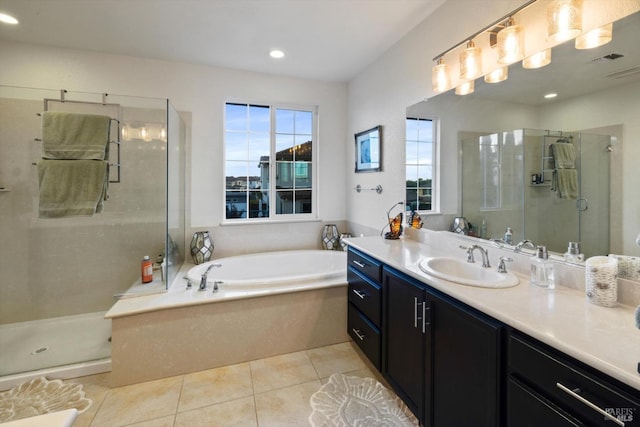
pixel 256 188
pixel 420 154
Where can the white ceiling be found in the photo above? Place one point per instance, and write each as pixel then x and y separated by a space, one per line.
pixel 330 40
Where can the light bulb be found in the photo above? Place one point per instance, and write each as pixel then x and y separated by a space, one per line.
pixel 510 43
pixel 465 88
pixel 537 60
pixel 595 38
pixel 440 78
pixel 496 76
pixel 470 62
pixel 564 20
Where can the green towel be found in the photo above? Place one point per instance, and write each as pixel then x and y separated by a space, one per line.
pixel 75 136
pixel 72 187
pixel 564 155
pixel 565 183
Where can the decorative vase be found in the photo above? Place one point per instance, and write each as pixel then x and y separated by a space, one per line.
pixel 330 237
pixel 343 244
pixel 201 247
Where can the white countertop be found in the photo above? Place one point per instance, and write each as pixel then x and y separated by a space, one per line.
pixel 604 338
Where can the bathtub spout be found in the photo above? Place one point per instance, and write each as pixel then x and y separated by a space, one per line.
pixel 203 280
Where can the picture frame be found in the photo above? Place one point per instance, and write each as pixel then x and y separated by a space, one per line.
pixel 369 150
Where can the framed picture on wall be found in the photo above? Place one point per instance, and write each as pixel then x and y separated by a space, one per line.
pixel 369 150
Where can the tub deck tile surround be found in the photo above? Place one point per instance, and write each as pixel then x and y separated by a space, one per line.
pixel 159 343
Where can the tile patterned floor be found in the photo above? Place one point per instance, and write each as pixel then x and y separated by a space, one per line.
pixel 271 392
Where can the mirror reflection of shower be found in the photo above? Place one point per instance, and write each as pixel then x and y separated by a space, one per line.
pixel 550 187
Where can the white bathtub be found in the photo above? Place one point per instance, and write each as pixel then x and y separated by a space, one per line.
pixel 267 304
pixel 272 269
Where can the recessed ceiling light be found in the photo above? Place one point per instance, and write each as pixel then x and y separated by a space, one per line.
pixel 8 19
pixel 550 95
pixel 275 53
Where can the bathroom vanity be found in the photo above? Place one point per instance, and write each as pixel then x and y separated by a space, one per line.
pixel 460 355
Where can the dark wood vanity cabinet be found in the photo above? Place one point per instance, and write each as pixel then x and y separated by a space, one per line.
pixel 441 357
pixel 364 308
pixel 546 387
pixel 467 365
pixel 407 344
pixel 456 366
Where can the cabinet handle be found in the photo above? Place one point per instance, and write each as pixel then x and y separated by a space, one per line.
pixel 358 263
pixel 362 295
pixel 357 332
pixel 593 406
pixel 415 312
pixel 424 317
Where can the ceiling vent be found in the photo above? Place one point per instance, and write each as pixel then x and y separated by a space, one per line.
pixel 609 57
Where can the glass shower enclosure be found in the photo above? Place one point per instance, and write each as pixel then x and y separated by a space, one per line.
pixel 508 181
pixel 58 276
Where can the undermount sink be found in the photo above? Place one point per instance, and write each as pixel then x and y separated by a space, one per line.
pixel 465 273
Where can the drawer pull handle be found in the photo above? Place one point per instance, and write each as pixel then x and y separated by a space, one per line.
pixel 358 263
pixel 589 404
pixel 362 295
pixel 415 312
pixel 357 332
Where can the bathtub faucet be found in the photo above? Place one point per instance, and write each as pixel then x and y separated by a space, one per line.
pixel 203 281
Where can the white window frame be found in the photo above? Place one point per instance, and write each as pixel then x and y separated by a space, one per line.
pixel 273 217
pixel 435 156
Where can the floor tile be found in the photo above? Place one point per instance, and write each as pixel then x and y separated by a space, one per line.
pixel 282 371
pixel 139 402
pixel 96 391
pixel 286 406
pixel 215 386
pixel 158 422
pixel 338 358
pixel 236 413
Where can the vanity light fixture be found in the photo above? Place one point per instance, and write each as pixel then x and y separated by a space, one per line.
pixel 594 38
pixel 440 78
pixel 8 19
pixel 276 53
pixel 465 88
pixel 510 43
pixel 537 60
pixel 564 20
pixel 470 62
pixel 497 76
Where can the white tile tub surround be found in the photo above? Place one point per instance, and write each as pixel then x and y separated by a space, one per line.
pixel 602 337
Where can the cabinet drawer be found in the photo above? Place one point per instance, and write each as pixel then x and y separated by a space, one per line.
pixel 366 265
pixel 365 295
pixel 365 335
pixel 526 408
pixel 572 388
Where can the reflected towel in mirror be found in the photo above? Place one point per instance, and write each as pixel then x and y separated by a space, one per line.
pixel 564 155
pixel 565 183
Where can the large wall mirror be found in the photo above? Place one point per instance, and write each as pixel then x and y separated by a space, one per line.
pixel 597 108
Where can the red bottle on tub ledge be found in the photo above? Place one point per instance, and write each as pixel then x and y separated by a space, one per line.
pixel 146 269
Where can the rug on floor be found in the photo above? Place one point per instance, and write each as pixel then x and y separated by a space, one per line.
pixel 41 396
pixel 354 401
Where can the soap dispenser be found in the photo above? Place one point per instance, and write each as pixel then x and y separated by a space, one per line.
pixel 542 269
pixel 573 253
pixel 508 236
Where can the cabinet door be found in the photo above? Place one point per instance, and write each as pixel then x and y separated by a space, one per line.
pixel 466 366
pixel 404 338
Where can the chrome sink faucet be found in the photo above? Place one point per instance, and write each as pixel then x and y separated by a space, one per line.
pixel 483 252
pixel 203 280
pixel 524 244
